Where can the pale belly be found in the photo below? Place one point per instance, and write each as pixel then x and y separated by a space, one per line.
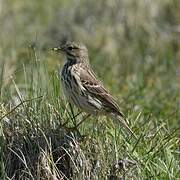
pixel 81 99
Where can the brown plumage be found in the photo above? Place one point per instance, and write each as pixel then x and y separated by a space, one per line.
pixel 82 87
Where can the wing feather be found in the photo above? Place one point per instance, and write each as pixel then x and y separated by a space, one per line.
pixel 97 90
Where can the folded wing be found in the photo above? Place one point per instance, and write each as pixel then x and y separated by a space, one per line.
pixel 96 89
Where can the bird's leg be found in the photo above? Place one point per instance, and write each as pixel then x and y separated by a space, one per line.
pixel 73 115
pixel 77 125
pixel 75 128
pixel 78 114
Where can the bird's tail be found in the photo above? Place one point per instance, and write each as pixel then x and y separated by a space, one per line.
pixel 122 121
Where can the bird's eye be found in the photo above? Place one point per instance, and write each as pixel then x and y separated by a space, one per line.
pixel 70 48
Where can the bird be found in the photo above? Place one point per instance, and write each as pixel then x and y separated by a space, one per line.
pixel 82 87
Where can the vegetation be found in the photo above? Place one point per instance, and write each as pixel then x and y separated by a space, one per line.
pixel 133 47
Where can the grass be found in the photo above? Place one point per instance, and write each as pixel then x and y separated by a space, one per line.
pixel 137 60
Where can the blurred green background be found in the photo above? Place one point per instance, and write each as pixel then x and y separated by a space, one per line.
pixel 134 47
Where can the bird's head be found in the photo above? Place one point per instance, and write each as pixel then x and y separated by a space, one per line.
pixel 74 51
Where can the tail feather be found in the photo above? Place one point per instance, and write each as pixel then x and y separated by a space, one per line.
pixel 122 121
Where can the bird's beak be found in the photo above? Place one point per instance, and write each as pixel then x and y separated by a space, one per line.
pixel 57 48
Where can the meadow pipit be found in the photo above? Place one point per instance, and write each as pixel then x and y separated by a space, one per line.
pixel 82 87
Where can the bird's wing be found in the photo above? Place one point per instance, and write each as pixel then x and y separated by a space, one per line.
pixel 96 89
